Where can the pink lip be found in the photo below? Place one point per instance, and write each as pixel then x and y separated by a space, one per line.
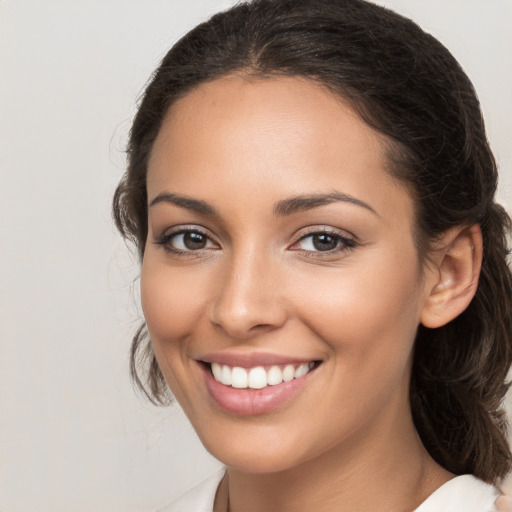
pixel 249 360
pixel 250 402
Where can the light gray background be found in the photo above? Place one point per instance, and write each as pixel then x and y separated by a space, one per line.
pixel 73 435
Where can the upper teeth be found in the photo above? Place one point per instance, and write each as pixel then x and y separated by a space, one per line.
pixel 258 377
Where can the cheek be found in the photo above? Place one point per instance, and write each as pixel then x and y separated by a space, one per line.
pixel 172 302
pixel 370 310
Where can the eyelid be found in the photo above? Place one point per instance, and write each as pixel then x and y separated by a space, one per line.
pixel 348 241
pixel 323 229
pixel 165 238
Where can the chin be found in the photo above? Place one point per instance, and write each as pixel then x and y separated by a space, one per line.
pixel 256 463
pixel 256 452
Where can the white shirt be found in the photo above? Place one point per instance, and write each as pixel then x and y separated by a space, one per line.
pixel 461 494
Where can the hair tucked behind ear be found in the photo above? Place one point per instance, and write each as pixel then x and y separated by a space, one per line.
pixel 458 378
pixel 407 86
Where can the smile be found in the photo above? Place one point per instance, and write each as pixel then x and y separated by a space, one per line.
pixel 257 383
pixel 259 377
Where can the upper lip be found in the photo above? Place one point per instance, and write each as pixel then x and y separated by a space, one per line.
pixel 251 359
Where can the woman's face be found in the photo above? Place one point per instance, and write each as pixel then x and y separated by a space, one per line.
pixel 278 243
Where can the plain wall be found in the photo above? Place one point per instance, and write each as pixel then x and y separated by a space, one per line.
pixel 73 434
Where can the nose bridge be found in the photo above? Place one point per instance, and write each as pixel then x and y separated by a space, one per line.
pixel 247 299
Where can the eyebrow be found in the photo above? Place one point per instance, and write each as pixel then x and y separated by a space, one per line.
pixel 308 202
pixel 196 205
pixel 282 208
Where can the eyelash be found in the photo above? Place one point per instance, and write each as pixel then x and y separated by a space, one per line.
pixel 343 243
pixel 166 239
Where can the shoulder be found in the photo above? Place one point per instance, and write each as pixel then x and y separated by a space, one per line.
pixel 462 494
pixel 198 499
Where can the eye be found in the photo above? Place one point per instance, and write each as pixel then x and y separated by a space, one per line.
pixel 319 242
pixel 186 241
pixel 323 241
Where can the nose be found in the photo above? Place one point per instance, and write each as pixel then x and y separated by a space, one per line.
pixel 249 300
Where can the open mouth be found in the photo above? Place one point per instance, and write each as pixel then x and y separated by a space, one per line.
pixel 259 377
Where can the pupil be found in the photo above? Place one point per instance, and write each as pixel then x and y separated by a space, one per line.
pixel 194 241
pixel 324 242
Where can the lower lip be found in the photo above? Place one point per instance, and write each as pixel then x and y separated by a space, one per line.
pixel 250 402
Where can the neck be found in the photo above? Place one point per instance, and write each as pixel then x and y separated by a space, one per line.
pixel 376 471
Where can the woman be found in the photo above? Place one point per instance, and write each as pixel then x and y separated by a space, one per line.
pixel 324 276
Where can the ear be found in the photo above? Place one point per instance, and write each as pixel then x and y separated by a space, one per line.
pixel 454 271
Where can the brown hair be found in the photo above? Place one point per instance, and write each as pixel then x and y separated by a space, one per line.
pixel 406 85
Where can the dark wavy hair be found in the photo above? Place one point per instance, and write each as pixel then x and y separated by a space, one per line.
pixel 406 85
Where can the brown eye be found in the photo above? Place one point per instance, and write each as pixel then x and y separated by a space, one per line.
pixel 324 242
pixel 320 242
pixel 194 241
pixel 186 240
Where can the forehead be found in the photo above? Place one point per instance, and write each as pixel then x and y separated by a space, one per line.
pixel 269 136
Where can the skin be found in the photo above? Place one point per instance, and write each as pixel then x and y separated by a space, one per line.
pixel 346 442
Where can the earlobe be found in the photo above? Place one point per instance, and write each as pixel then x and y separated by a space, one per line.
pixel 455 274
